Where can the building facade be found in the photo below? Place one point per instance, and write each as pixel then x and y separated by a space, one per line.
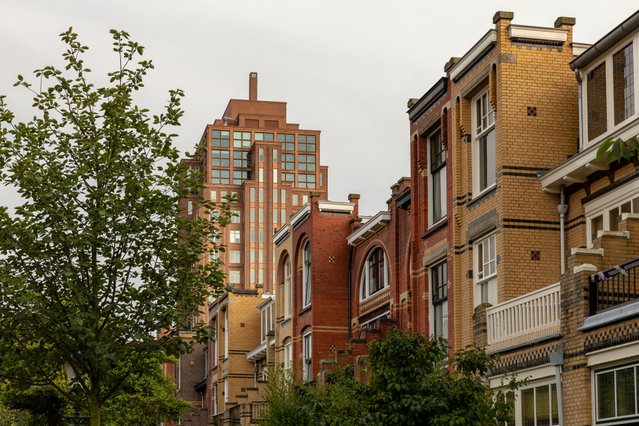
pixel 267 166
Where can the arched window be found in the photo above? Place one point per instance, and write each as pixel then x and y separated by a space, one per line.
pixel 288 291
pixel 375 273
pixel 306 274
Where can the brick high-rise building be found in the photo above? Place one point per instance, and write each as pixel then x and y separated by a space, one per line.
pixel 269 166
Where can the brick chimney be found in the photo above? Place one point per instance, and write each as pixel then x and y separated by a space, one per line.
pixel 253 86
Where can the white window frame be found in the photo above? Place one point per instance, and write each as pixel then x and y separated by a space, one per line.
pixel 235 236
pixel 443 303
pixel 604 204
pixel 215 406
pixel 532 385
pixel 365 280
pixel 611 127
pixel 307 356
pixel 485 281
pixel 226 334
pixel 627 419
pixel 288 354
pixel 307 274
pixel 288 288
pixel 216 340
pixel 479 130
pixel 443 181
pixel 226 390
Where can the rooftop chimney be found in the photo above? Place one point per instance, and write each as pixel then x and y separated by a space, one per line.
pixel 253 86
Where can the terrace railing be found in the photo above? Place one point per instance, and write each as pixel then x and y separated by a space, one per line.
pixel 614 286
pixel 526 318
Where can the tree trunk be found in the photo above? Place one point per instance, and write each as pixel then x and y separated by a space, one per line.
pixel 94 411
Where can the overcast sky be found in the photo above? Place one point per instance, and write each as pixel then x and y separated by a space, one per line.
pixel 345 67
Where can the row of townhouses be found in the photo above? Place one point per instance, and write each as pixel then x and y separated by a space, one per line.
pixel 509 234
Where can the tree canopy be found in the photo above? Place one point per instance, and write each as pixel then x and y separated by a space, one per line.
pixel 99 267
pixel 411 382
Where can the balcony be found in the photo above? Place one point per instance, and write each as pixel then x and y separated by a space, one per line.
pixel 614 287
pixel 613 295
pixel 528 318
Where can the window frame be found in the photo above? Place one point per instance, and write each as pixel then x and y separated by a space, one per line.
pixel 307 274
pixel 518 412
pixel 480 131
pixel 365 279
pixel 439 300
pixel 288 287
pixel 616 419
pixel 437 169
pixel 607 60
pixel 307 356
pixel 287 354
pixel 489 282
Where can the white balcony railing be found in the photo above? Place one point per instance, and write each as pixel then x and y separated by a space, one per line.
pixel 527 318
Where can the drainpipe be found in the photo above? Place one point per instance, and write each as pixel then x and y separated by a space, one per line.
pixel 557 360
pixel 579 109
pixel 350 292
pixel 562 208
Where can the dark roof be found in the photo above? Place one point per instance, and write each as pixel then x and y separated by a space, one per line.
pixel 607 41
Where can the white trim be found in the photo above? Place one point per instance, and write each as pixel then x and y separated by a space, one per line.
pixel 371 225
pixel 492 290
pixel 301 214
pixel 282 234
pixel 531 374
pixel 606 58
pixel 538 33
pixel 617 354
pixel 335 206
pixel 474 52
pixel 601 206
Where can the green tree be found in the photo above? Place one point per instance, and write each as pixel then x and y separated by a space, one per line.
pixel 99 269
pixel 617 149
pixel 411 383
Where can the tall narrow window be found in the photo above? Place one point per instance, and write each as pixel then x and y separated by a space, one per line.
pixel 306 274
pixel 288 290
pixel 485 253
pixel 437 182
pixel 484 172
pixel 439 286
pixel 226 334
pixel 307 356
pixel 288 353
pixel 596 98
pixel 623 84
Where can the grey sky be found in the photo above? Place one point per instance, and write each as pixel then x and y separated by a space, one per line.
pixel 345 67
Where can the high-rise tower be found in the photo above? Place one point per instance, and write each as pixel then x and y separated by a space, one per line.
pixel 270 166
